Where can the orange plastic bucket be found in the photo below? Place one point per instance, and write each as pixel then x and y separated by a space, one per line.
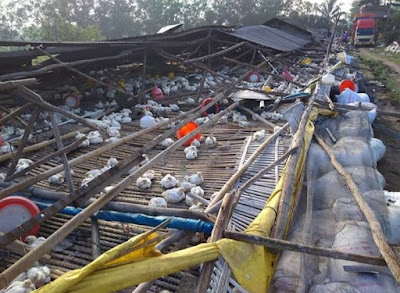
pixel 347 83
pixel 186 129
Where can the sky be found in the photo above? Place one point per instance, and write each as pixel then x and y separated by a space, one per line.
pixel 346 4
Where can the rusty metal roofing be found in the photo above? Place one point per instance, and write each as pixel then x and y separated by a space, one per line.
pixel 277 39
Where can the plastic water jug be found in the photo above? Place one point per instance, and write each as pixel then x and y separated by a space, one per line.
pixel 147 121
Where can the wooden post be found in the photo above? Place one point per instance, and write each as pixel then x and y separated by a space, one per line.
pixel 96 248
pixel 387 252
pixel 203 79
pixel 24 139
pixel 282 220
pixel 11 84
pixel 67 170
pixel 143 90
pixel 224 216
pixel 278 244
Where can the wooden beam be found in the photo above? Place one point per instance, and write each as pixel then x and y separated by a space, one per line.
pixel 24 140
pixel 387 252
pixel 217 54
pixel 59 143
pixel 96 248
pixel 223 218
pixel 11 84
pixel 278 244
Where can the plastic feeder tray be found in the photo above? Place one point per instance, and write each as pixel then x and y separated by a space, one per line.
pixel 347 83
pixel 186 129
pixel 15 210
pixel 212 110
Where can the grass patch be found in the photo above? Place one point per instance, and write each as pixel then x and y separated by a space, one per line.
pixel 384 74
pixel 390 56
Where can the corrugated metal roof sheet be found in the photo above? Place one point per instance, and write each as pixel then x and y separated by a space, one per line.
pixel 270 37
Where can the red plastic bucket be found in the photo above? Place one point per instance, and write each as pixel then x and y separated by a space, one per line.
pixel 214 109
pixel 253 77
pixel 186 129
pixel 347 84
pixel 15 210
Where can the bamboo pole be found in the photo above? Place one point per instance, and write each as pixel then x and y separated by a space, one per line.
pixel 14 113
pixel 96 248
pixel 282 221
pixel 59 143
pixel 278 244
pixel 23 74
pixel 235 177
pixel 24 140
pixel 35 98
pixel 65 150
pixel 262 69
pixel 11 84
pixel 16 117
pixel 217 54
pixel 387 252
pixel 29 259
pixel 43 144
pixel 69 67
pixel 258 117
pixel 223 218
pixel 143 90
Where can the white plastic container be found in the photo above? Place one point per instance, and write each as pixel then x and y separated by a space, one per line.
pixel 348 96
pixel 147 121
pixel 328 79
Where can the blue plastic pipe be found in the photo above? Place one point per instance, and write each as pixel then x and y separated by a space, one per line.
pixel 139 219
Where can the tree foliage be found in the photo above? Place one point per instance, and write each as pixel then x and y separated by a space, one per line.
pixel 111 19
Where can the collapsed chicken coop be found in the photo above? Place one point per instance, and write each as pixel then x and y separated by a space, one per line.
pixel 216 159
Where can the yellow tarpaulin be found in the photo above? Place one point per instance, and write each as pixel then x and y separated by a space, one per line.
pixel 252 265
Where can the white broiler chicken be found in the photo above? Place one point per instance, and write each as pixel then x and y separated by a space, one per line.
pixel 86 180
pixel 158 202
pixel 195 179
pixel 39 275
pixel 191 148
pixel 113 132
pixel 195 143
pixel 168 181
pixel 211 142
pixel 167 142
pixel 112 162
pixel 143 182
pixel 174 107
pixel 21 287
pixel 150 174
pixel 190 201
pixel 244 124
pixel 95 137
pixel 187 185
pixel 191 155
pixel 174 195
pixel 115 124
pixel 93 173
pixel 259 135
pixel 34 241
pixel 200 120
pixel 84 143
pixel 190 101
pixel 111 139
pixel 56 179
pixel 197 207
pixel 197 190
pixel 145 161
pixel 126 120
pixel 6 148
pixel 2 176
pixel 126 110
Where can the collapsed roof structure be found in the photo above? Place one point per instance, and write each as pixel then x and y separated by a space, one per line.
pixel 94 137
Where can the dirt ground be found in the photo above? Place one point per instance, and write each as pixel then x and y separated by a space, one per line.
pixel 387 128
